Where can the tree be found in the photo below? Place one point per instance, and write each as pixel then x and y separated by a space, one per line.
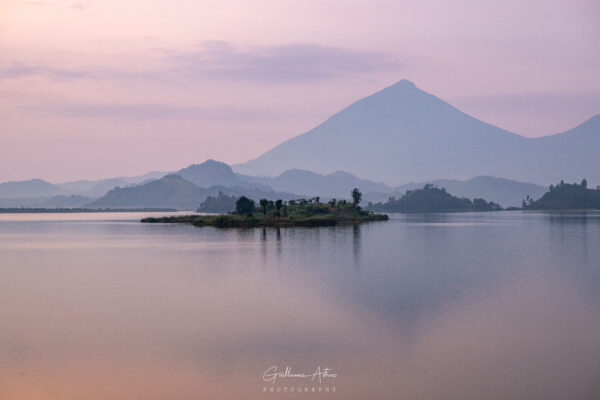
pixel 244 206
pixel 263 204
pixel 356 197
pixel 584 183
pixel 278 205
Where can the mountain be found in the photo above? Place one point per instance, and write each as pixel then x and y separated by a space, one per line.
pixel 60 201
pixel 307 183
pixel 402 133
pixel 31 188
pixel 173 191
pixel 93 189
pixel 98 188
pixel 210 173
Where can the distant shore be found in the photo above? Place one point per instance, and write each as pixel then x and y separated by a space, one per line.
pixel 32 210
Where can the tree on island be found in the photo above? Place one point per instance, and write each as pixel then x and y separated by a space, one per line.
pixel 244 206
pixel 356 197
pixel 263 204
pixel 278 205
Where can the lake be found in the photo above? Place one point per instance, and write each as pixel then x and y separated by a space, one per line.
pixel 501 305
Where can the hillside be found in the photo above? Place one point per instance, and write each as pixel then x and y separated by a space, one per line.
pixel 308 183
pixel 432 199
pixel 403 134
pixel 565 196
pixel 30 188
pixel 173 191
pixel 60 201
pixel 210 173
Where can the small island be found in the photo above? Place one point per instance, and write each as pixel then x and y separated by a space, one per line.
pixel 566 196
pixel 301 212
pixel 432 199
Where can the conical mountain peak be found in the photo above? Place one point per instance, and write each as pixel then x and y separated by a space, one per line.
pixel 403 84
pixel 402 133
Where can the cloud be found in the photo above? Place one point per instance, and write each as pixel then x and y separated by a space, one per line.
pixel 20 70
pixel 65 4
pixel 220 60
pixel 147 111
pixel 279 64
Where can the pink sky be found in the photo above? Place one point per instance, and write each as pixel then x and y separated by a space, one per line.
pixel 95 89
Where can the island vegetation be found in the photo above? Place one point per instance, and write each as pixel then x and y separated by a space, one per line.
pixel 566 196
pixel 431 199
pixel 300 212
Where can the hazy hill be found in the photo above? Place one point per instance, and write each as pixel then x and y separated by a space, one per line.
pixel 433 199
pixel 98 188
pixel 30 188
pixel 93 189
pixel 308 183
pixel 565 196
pixel 402 133
pixel 173 191
pixel 210 173
pixel 60 201
pixel 339 184
pixel 502 191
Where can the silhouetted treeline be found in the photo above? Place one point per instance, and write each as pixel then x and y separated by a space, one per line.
pixel 566 196
pixel 221 203
pixel 300 208
pixel 432 199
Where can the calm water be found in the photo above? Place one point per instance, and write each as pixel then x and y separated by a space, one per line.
pixel 444 306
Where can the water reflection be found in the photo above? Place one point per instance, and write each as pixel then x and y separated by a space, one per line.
pixel 448 306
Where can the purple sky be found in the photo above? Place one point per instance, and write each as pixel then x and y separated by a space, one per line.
pixel 94 89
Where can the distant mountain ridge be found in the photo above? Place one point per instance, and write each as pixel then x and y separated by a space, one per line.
pixel 308 183
pixel 173 191
pixel 201 180
pixel 30 188
pixel 213 173
pixel 58 201
pixel 402 133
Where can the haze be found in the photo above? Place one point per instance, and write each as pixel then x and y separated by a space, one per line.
pixel 96 89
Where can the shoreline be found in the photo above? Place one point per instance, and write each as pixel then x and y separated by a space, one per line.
pixel 252 221
pixel 39 210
